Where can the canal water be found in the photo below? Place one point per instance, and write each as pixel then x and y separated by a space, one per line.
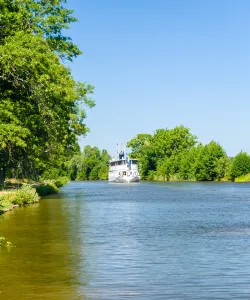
pixel 96 240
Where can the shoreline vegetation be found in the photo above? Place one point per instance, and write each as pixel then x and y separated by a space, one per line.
pixel 15 193
pixel 43 108
pixel 177 155
pixel 173 155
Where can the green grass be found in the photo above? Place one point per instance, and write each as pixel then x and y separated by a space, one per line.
pixel 23 196
pixel 26 195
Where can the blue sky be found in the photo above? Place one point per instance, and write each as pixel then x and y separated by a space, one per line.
pixel 163 63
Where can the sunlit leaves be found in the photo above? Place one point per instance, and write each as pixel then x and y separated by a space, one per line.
pixel 43 109
pixel 172 154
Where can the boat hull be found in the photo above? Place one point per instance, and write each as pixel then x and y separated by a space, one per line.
pixel 125 179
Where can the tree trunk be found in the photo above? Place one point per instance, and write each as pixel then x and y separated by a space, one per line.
pixel 2 175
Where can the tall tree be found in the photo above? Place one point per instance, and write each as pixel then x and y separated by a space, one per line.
pixel 42 106
pixel 206 165
pixel 47 18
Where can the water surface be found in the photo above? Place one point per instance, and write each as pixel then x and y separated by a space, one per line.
pixel 142 241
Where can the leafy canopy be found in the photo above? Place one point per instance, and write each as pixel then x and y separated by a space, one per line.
pixel 42 106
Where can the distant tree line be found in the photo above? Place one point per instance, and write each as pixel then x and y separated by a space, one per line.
pixel 91 164
pixel 176 155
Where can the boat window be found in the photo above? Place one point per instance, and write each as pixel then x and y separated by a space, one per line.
pixel 117 163
pixel 135 162
pixel 124 172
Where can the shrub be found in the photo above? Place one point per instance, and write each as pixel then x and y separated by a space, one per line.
pixel 25 195
pixel 6 202
pixel 243 178
pixel 240 165
pixel 46 188
pixel 60 181
pixel 4 205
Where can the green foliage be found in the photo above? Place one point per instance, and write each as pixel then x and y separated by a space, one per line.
pixel 222 168
pixel 103 171
pixel 243 178
pixel 240 165
pixel 142 149
pixel 42 106
pixel 46 18
pixel 61 181
pixel 26 195
pixel 172 155
pixel 5 203
pixel 92 164
pixel 206 166
pixel 168 142
pixel 46 188
pixel 187 163
pixel 162 151
pixel 23 196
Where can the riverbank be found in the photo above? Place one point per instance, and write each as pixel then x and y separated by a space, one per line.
pixel 15 194
pixel 176 178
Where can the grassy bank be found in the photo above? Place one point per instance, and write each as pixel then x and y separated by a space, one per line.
pixel 13 198
pixel 14 194
pixel 19 194
pixel 177 178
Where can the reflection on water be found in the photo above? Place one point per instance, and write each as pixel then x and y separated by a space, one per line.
pixel 143 241
pixel 44 264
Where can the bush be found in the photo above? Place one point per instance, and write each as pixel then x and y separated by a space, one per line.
pixel 61 181
pixel 5 204
pixel 243 178
pixel 6 201
pixel 240 165
pixel 25 195
pixel 46 188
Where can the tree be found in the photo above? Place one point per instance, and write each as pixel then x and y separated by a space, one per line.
pixel 240 165
pixel 161 151
pixel 141 149
pixel 92 164
pixel 187 163
pixel 42 106
pixel 223 167
pixel 47 18
pixel 167 142
pixel 206 165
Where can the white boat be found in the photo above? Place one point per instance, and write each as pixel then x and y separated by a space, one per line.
pixel 123 170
